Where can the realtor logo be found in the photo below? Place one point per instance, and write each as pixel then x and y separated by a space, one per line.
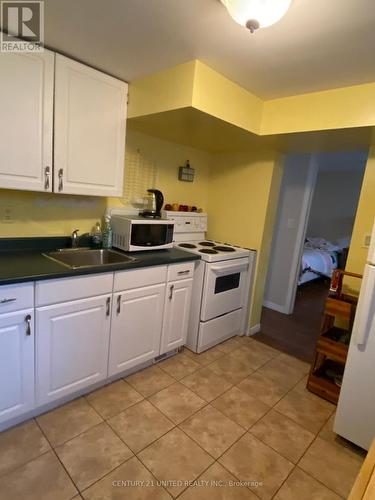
pixel 22 26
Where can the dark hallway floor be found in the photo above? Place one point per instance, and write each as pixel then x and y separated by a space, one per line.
pixel 296 334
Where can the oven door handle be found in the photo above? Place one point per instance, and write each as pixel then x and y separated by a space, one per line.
pixel 229 268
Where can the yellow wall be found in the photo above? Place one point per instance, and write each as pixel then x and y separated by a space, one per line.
pixel 168 89
pixel 364 222
pixel 42 214
pixel 146 152
pixel 217 96
pixel 39 214
pixel 241 182
pixel 243 195
pixel 196 85
pixel 331 109
pixel 238 191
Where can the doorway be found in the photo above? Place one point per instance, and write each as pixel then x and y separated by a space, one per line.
pixel 316 212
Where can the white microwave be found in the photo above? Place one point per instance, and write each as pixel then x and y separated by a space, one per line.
pixel 136 233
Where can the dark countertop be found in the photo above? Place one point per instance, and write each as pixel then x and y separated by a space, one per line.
pixel 28 264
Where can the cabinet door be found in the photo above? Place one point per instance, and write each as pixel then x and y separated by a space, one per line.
pixel 90 117
pixel 26 104
pixel 71 346
pixel 137 318
pixel 16 364
pixel 176 314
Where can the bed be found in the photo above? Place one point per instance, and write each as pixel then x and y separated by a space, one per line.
pixel 319 259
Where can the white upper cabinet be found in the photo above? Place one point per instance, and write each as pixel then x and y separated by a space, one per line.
pixel 86 116
pixel 26 121
pixel 89 140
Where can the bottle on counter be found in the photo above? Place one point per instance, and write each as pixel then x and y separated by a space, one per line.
pixel 107 232
pixel 97 236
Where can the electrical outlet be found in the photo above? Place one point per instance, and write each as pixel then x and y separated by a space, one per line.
pixel 367 240
pixel 6 214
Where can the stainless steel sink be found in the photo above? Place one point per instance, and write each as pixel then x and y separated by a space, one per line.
pixel 76 258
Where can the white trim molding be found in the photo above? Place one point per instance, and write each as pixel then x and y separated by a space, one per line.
pixel 301 234
pixel 254 329
pixel 276 307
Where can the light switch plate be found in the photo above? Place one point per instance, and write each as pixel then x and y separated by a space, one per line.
pixel 367 240
pixel 6 214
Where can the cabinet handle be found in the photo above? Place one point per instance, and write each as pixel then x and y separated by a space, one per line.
pixel 60 174
pixel 118 304
pixel 28 324
pixel 181 273
pixel 171 288
pixel 6 300
pixel 47 171
pixel 108 306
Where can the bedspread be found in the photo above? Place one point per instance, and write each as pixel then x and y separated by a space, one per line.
pixel 317 260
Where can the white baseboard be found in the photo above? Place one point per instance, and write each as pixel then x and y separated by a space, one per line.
pixel 254 329
pixel 275 307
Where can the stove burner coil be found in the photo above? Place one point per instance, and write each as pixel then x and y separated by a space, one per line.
pixel 208 250
pixel 224 249
pixel 187 245
pixel 207 244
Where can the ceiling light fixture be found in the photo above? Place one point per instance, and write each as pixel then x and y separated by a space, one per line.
pixel 254 14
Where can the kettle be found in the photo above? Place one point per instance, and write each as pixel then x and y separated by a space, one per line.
pixel 154 203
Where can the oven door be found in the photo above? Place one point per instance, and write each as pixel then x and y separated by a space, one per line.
pixel 151 236
pixel 224 287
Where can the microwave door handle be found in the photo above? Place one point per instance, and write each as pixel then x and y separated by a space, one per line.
pixel 365 308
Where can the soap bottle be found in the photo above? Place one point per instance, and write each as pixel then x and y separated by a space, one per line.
pixel 107 232
pixel 97 235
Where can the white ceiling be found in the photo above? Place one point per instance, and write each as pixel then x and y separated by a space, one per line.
pixel 319 44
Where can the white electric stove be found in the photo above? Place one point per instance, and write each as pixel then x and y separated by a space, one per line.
pixel 213 251
pixel 222 282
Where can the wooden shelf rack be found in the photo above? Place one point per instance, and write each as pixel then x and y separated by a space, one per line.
pixel 333 342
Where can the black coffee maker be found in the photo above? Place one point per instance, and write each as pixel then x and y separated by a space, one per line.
pixel 155 200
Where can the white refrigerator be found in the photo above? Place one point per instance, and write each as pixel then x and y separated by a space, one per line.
pixel 355 417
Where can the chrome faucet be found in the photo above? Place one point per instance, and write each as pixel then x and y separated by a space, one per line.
pixel 75 238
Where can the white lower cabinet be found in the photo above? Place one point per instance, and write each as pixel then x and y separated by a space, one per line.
pixel 16 364
pixel 137 318
pixel 71 346
pixel 176 314
pixel 130 318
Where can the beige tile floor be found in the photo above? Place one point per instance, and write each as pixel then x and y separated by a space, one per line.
pixel 235 422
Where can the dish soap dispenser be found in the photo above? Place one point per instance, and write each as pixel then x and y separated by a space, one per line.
pixel 107 232
pixel 97 236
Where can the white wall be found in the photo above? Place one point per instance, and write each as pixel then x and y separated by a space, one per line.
pixel 294 202
pixel 336 195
